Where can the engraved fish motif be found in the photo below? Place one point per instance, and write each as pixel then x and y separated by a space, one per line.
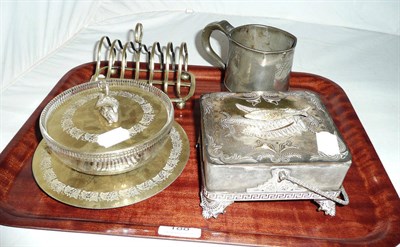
pixel 270 114
pixel 272 123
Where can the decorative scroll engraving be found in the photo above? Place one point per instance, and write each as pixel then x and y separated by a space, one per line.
pixel 283 69
pixel 255 97
pixel 275 185
pixel 69 127
pixel 207 106
pixel 275 123
pixel 226 123
pixel 59 187
pixel 270 130
pixel 217 156
pixel 279 151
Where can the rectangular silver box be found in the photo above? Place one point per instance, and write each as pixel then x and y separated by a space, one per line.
pixel 270 146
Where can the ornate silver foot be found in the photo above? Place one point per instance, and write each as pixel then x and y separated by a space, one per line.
pixel 328 206
pixel 212 208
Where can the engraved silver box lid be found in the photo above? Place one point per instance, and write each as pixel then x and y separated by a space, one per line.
pixel 270 146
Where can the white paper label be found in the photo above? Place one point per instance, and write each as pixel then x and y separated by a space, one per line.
pixel 327 143
pixel 113 137
pixel 176 231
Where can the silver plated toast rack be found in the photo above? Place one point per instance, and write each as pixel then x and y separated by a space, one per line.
pixel 134 60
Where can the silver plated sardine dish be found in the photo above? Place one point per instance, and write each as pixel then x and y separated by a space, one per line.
pixel 270 146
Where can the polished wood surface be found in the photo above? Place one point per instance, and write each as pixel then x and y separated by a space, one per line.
pixel 371 218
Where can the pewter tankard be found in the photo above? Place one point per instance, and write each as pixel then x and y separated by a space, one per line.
pixel 260 57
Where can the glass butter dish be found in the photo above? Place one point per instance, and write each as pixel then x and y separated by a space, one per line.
pixel 109 143
pixel 270 146
pixel 107 127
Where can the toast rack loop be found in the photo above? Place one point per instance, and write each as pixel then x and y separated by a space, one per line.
pixel 112 57
pixel 155 65
pixel 138 33
pixel 156 48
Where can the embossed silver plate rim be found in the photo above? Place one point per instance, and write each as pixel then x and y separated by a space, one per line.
pixel 50 182
pixel 109 155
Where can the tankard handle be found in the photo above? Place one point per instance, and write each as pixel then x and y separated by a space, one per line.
pixel 223 26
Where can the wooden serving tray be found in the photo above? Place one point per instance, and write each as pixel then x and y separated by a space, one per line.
pixel 371 218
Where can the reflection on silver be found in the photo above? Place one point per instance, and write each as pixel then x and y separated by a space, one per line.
pixel 108 108
pixel 249 140
pixel 70 128
pixel 268 123
pixel 101 192
pixel 53 181
pixel 107 105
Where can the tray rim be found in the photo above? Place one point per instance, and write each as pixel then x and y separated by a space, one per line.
pixel 11 217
